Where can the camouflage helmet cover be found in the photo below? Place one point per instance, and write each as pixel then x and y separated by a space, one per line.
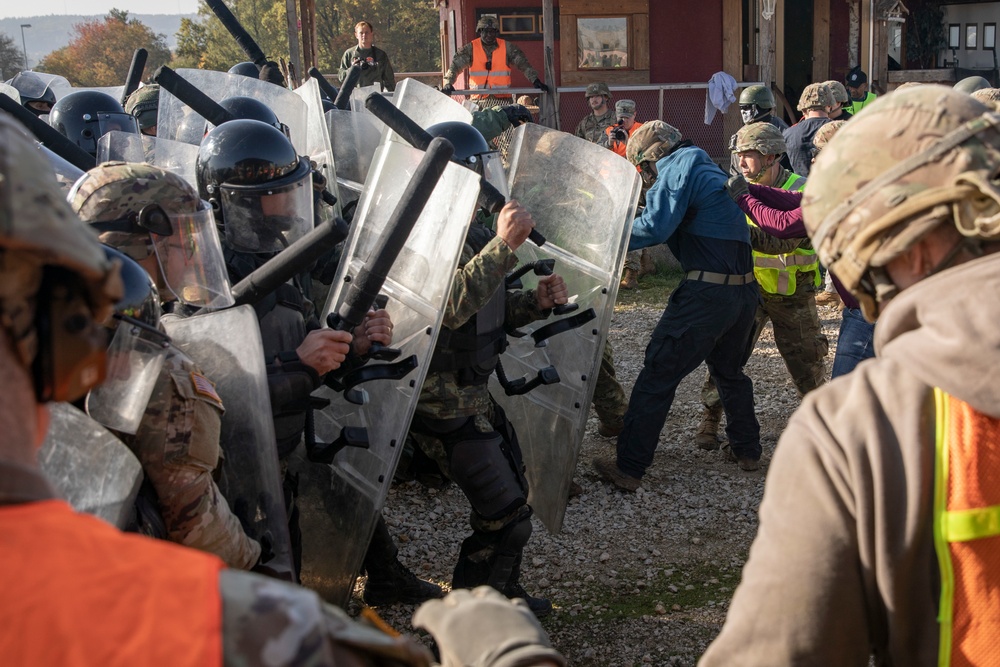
pixel 838 91
pixel 826 132
pixel 762 137
pixel 651 141
pixel 815 96
pixel 759 95
pixel 37 228
pixel 988 96
pixel 114 190
pixel 917 158
pixel 595 89
pixel 143 103
pixel 487 22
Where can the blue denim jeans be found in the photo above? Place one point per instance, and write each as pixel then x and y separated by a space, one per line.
pixel 855 343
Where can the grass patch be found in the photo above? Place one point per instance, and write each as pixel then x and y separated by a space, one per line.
pixel 653 290
pixel 688 586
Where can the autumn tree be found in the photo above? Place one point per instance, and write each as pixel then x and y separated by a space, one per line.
pixel 206 44
pixel 101 51
pixel 11 57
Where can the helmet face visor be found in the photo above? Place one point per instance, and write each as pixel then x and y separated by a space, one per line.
pixel 268 218
pixel 122 122
pixel 191 261
pixel 494 173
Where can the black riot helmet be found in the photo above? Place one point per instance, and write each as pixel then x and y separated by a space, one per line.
pixel 141 300
pixel 245 69
pixel 472 151
pixel 259 188
pixel 247 108
pixel 36 95
pixel 85 116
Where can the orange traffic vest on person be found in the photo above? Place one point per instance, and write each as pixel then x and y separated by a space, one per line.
pixel 495 74
pixel 77 592
pixel 967 532
pixel 617 146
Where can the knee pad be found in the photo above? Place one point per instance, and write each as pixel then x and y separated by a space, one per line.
pixel 479 464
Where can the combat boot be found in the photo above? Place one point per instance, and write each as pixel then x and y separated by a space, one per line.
pixel 647 267
pixel 707 437
pixel 630 280
pixel 396 583
pixel 539 606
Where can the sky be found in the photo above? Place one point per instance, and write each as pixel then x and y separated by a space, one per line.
pixel 13 8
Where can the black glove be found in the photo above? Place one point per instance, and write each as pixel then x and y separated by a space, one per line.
pixel 448 89
pixel 737 186
pixel 517 114
pixel 537 83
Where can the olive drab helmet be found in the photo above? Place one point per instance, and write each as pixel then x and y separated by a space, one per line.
pixel 756 103
pixel 815 96
pixel 85 116
pixel 472 151
pixel 761 137
pixel 143 211
pixel 918 158
pixel 56 285
pixel 258 186
pixel 595 89
pixel 971 84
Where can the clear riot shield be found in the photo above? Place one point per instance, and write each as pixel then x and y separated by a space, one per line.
pixel 318 146
pixel 11 92
pixel 583 199
pixel 227 346
pixel 358 95
pixel 90 467
pixel 427 106
pixel 355 486
pixel 355 136
pixel 175 156
pixel 66 174
pixel 59 85
pixel 175 121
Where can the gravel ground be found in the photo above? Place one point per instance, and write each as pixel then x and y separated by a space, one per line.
pixel 635 579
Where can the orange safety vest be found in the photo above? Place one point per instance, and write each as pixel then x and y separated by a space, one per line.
pixel 497 75
pixel 617 146
pixel 78 593
pixel 967 532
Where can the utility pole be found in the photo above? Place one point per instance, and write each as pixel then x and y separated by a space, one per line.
pixel 24 45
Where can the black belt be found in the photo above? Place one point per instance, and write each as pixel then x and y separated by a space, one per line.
pixel 721 278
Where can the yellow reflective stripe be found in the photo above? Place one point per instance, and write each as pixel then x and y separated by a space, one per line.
pixel 965 525
pixel 945 609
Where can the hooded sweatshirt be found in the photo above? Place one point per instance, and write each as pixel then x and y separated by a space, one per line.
pixel 843 564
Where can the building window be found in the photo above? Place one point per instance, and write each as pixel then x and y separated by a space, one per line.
pixel 954 36
pixel 989 35
pixel 603 43
pixel 970 35
pixel 523 24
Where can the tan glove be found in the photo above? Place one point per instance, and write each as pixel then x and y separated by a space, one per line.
pixel 482 628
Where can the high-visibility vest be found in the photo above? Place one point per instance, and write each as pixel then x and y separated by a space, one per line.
pixel 856 106
pixel 777 274
pixel 967 532
pixel 617 146
pixel 78 593
pixel 498 73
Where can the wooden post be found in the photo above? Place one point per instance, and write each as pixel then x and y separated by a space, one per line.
pixel 294 55
pixel 307 11
pixel 732 58
pixel 821 40
pixel 767 48
pixel 550 117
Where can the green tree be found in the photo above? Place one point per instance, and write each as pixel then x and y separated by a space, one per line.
pixel 101 52
pixel 206 44
pixel 11 57
pixel 925 35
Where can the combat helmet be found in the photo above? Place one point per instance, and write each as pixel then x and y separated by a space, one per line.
pixel 756 102
pixel 838 91
pixel 595 89
pixel 472 151
pixel 971 84
pixel 651 142
pixel 919 158
pixel 764 138
pixel 815 96
pixel 36 95
pixel 85 116
pixel 144 103
pixel 487 22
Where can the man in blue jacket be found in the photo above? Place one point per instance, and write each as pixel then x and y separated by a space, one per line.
pixel 710 315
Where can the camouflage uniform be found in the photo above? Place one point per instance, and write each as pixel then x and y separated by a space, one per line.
pixel 592 128
pixel 178 439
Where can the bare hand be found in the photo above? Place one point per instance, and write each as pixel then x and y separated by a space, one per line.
pixel 551 291
pixel 377 328
pixel 514 224
pixel 324 350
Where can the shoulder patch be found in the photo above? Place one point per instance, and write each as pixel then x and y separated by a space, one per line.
pixel 205 387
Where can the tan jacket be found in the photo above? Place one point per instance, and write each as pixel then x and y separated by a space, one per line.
pixel 844 563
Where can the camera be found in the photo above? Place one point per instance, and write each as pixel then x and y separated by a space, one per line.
pixel 364 62
pixel 619 133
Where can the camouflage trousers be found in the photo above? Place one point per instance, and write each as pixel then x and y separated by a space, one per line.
pixel 610 401
pixel 798 337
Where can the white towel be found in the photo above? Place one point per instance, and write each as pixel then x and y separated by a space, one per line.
pixel 721 93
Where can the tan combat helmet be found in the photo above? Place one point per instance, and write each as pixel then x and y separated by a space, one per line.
pixel 488 22
pixel 825 133
pixel 916 159
pixel 838 91
pixel 815 96
pixel 988 96
pixel 761 137
pixel 651 142
pixel 38 230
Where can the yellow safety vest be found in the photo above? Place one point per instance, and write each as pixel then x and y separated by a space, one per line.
pixel 776 274
pixel 967 532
